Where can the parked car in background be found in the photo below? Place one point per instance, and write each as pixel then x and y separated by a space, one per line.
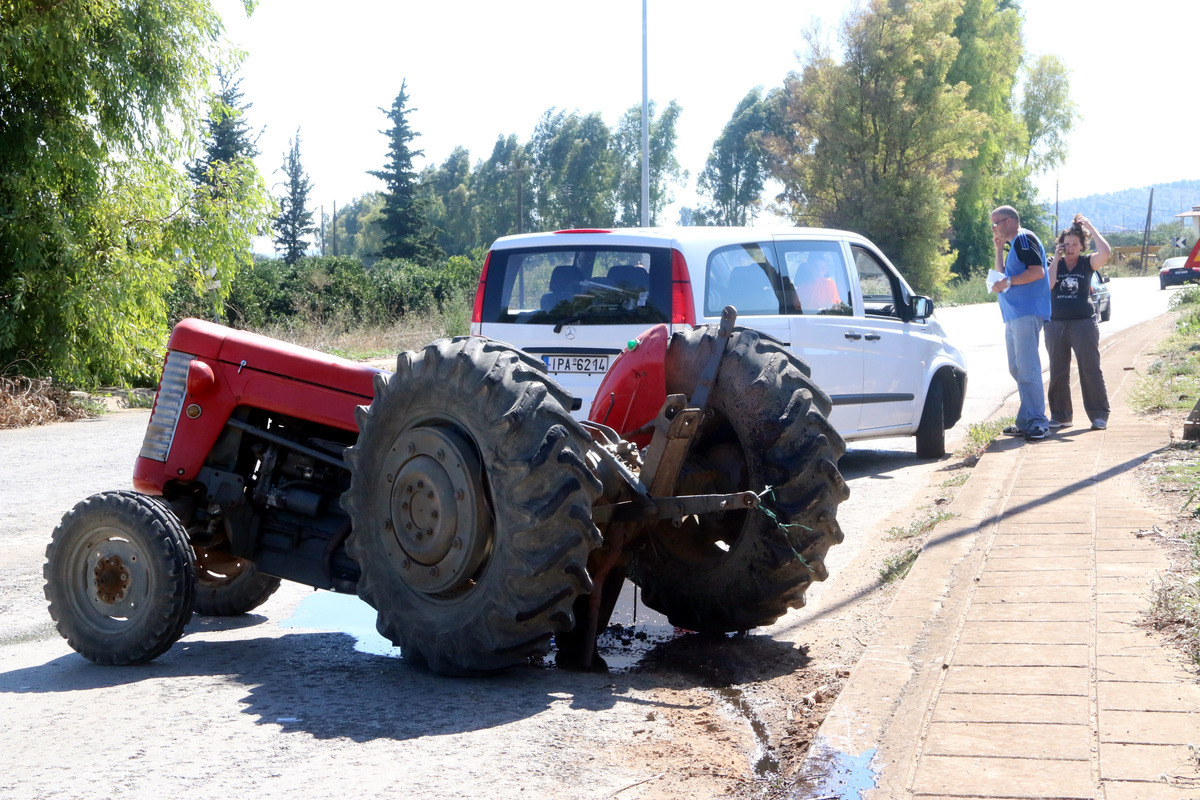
pixel 1177 271
pixel 574 299
pixel 1101 298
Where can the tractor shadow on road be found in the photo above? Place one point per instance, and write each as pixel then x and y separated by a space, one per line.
pixel 318 683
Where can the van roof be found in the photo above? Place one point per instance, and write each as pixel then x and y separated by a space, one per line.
pixel 665 236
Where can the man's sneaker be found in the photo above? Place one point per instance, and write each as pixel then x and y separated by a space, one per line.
pixel 1036 433
pixel 1099 424
pixel 1055 424
pixel 1013 430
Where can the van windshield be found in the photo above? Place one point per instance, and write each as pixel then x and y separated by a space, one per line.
pixel 586 285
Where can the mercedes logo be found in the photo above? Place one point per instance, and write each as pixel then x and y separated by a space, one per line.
pixel 570 333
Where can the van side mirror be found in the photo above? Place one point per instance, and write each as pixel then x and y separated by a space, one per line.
pixel 920 306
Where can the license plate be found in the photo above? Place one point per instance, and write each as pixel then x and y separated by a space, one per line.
pixel 581 365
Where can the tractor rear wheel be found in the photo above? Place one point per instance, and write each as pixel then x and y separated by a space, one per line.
pixel 767 430
pixel 119 578
pixel 470 501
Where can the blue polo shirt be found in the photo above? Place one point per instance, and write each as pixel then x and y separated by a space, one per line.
pixel 1027 299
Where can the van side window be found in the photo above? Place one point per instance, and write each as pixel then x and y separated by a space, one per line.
pixel 881 293
pixel 743 276
pixel 815 278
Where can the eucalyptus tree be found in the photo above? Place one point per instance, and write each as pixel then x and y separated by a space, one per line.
pixel 736 169
pixel 665 169
pixel 871 143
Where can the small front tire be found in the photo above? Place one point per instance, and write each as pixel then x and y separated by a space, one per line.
pixel 120 578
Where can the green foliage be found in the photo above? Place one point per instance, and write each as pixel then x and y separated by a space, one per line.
pixel 981 435
pixel 575 171
pixel 897 566
pixel 294 223
pixel 98 104
pixel 1048 113
pixel 735 171
pixel 663 166
pixel 872 143
pixel 967 290
pixel 405 230
pixel 227 135
pixel 919 527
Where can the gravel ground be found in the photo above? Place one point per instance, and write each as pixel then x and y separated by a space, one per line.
pixel 271 704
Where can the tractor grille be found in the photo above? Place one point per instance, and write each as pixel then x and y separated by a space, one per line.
pixel 167 404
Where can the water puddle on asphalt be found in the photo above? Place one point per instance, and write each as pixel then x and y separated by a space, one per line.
pixel 835 774
pixel 342 613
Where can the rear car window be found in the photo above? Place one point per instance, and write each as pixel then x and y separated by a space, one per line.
pixel 586 285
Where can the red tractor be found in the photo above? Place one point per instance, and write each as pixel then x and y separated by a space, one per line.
pixel 458 496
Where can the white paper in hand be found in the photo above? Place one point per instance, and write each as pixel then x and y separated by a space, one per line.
pixel 993 277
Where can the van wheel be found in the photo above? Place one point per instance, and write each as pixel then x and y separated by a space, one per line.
pixel 931 431
pixel 119 578
pixel 767 431
pixel 471 507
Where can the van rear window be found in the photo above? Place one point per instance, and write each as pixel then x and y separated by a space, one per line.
pixel 583 285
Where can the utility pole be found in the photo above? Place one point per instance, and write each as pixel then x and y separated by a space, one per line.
pixel 645 130
pixel 333 224
pixel 322 230
pixel 1146 232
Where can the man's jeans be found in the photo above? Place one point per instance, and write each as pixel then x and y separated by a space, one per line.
pixel 1022 337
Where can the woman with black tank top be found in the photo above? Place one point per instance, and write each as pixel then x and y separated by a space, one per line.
pixel 1073 326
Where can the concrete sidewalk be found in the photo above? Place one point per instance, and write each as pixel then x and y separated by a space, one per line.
pixel 1011 664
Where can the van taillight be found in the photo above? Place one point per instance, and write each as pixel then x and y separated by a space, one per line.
pixel 477 313
pixel 683 310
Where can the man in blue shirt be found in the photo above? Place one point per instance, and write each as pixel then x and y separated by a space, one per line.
pixel 1025 305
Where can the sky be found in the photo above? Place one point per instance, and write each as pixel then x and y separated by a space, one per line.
pixel 478 70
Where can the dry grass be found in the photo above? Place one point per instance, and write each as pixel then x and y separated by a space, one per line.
pixel 411 332
pixel 36 401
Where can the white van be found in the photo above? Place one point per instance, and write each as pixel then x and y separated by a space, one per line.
pixel 575 298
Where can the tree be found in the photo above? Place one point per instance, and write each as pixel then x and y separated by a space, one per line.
pixel 871 143
pixel 502 187
pixel 295 221
pixel 406 232
pixel 445 193
pixel 227 138
pixel 98 100
pixel 575 171
pixel 736 169
pixel 664 167
pixel 1048 113
pixel 990 51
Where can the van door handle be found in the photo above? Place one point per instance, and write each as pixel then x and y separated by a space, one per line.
pixel 872 337
pixel 853 335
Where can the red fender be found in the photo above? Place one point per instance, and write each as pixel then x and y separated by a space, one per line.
pixel 635 386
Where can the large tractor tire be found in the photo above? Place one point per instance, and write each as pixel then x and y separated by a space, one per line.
pixel 767 426
pixel 470 503
pixel 119 578
pixel 228 586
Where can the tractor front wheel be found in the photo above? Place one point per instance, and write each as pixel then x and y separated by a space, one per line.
pixel 119 578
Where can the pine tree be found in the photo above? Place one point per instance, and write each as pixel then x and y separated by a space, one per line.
pixel 406 232
pixel 227 137
pixel 295 222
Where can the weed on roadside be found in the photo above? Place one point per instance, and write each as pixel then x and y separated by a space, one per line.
pixel 918 527
pixel 980 436
pixel 897 566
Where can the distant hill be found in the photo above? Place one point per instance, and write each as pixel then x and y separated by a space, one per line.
pixel 1126 209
